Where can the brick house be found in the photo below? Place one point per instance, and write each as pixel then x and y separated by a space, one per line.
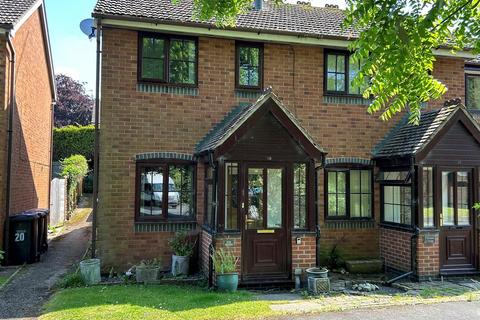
pixel 27 91
pixel 254 139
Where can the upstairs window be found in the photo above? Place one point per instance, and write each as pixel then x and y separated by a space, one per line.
pixel 340 70
pixel 249 65
pixel 168 59
pixel 472 87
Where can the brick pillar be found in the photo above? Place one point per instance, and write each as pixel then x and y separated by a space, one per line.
pixel 428 254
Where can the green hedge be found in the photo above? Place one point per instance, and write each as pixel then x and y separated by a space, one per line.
pixel 72 140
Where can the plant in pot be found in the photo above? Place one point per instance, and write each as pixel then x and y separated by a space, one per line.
pixel 182 248
pixel 225 265
pixel 147 271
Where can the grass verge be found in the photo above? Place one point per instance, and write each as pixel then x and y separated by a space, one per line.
pixel 153 302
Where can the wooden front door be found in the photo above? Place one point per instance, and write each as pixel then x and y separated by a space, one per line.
pixel 456 220
pixel 265 225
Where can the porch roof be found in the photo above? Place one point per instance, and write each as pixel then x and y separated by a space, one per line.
pixel 407 140
pixel 219 134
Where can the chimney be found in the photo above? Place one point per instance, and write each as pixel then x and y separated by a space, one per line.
pixel 258 4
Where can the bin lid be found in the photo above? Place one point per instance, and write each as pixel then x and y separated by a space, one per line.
pixel 24 217
pixel 41 212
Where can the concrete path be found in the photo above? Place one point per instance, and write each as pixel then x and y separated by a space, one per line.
pixel 441 311
pixel 24 296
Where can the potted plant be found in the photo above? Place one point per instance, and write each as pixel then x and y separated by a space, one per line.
pixel 147 271
pixel 182 249
pixel 225 265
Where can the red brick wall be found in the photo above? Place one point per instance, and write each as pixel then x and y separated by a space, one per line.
pixel 136 122
pixel 31 148
pixel 428 255
pixel 33 125
pixel 304 254
pixel 395 249
pixel 236 249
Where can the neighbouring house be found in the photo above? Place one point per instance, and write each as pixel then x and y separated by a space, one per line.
pixel 254 139
pixel 27 94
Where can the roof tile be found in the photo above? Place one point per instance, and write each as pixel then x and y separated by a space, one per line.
pixel 13 10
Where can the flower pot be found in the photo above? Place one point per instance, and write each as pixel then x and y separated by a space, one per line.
pixel 146 274
pixel 317 273
pixel 90 271
pixel 227 281
pixel 180 265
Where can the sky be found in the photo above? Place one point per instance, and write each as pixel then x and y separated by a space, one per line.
pixel 73 53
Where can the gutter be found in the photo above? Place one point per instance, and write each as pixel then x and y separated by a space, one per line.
pixel 96 156
pixel 11 113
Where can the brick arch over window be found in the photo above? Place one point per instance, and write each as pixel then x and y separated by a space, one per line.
pixel 164 156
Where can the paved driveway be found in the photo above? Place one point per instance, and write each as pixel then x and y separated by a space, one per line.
pixel 441 311
pixel 24 296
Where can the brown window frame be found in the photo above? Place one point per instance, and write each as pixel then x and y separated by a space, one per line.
pixel 242 44
pixel 346 55
pixel 347 170
pixel 164 216
pixel 166 66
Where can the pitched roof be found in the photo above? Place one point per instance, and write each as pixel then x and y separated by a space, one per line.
pixel 325 22
pixel 11 11
pixel 237 116
pixel 406 139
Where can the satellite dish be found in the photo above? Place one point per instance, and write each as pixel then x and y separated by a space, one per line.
pixel 88 28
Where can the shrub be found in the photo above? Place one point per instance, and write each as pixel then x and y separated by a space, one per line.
pixel 181 244
pixel 72 140
pixel 1 255
pixel 72 280
pixel 74 168
pixel 224 261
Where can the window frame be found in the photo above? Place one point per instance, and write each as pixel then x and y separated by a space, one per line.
pixel 244 44
pixel 166 68
pixel 139 165
pixel 470 72
pixel 382 206
pixel 346 55
pixel 347 170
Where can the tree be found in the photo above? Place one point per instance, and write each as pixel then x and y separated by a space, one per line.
pixel 74 106
pixel 395 45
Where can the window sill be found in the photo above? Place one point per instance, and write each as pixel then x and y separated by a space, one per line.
pixel 350 224
pixel 164 226
pixel 157 87
pixel 345 99
pixel 396 226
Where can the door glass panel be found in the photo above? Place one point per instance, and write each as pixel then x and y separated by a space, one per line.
pixel 447 198
pixel 428 220
pixel 274 198
pixel 463 199
pixel 255 199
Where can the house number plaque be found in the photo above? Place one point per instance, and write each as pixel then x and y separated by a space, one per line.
pixel 228 243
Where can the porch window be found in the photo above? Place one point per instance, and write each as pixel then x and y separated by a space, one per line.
pixel 231 196
pixel 165 191
pixel 249 60
pixel 349 193
pixel 300 196
pixel 428 218
pixel 397 204
pixel 168 59
pixel 340 71
pixel 472 87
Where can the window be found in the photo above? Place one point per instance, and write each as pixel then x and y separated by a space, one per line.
pixel 472 88
pixel 249 64
pixel 397 204
pixel 428 220
pixel 168 59
pixel 340 71
pixel 231 196
pixel 300 196
pixel 349 193
pixel 165 191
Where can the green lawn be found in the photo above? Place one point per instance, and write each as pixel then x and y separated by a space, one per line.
pixel 3 279
pixel 152 302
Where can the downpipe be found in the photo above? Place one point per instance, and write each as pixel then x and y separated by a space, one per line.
pixel 11 112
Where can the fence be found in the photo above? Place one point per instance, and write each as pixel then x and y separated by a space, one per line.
pixel 58 201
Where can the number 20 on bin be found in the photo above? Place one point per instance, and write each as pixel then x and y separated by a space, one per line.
pixel 19 236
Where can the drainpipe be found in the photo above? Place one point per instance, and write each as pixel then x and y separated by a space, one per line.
pixel 12 60
pixel 317 226
pixel 213 228
pixel 96 156
pixel 52 119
